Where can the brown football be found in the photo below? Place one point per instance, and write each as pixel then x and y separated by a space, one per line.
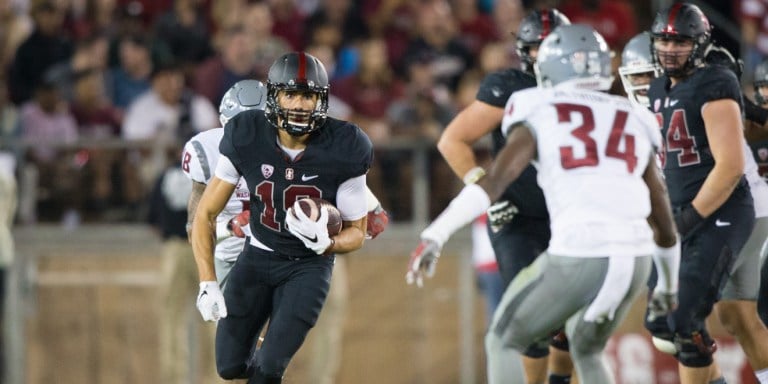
pixel 311 208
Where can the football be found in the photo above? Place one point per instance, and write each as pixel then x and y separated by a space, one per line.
pixel 311 208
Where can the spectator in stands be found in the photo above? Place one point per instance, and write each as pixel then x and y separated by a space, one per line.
pixel 15 27
pixel 393 19
pixel 97 119
pixel 420 115
pixel 167 113
pixel 90 54
pixel 438 36
pixel 476 29
pixel 754 31
pixel 47 121
pixel 615 19
pixel 258 23
pixel 233 62
pixel 131 77
pixel 288 22
pixel 44 47
pixel 185 31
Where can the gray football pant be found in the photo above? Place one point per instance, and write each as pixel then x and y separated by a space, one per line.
pixel 553 291
pixel 744 281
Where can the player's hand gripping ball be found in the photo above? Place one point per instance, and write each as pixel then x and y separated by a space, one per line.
pixel 311 208
pixel 314 221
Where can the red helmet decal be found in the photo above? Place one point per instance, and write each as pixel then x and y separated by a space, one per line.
pixel 673 11
pixel 301 74
pixel 545 23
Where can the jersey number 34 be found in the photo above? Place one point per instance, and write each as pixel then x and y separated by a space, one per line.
pixel 582 132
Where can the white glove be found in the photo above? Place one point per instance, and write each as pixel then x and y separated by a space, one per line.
pixel 314 234
pixel 210 301
pixel 500 213
pixel 423 262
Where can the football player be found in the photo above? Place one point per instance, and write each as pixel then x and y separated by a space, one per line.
pixel 518 222
pixel 607 201
pixel 201 154
pixel 758 120
pixel 290 150
pixel 638 69
pixel 698 106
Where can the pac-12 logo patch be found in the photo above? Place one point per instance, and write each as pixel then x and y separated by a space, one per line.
pixel 762 153
pixel 267 170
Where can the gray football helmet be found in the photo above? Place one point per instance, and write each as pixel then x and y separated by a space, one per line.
pixel 244 95
pixel 637 59
pixel 761 80
pixel 575 54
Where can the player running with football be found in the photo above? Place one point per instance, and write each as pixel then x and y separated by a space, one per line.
pixel 201 154
pixel 290 150
pixel 607 201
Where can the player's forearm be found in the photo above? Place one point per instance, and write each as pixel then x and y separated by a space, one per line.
pixel 717 188
pixel 458 154
pixel 203 233
pixel 194 200
pixel 351 237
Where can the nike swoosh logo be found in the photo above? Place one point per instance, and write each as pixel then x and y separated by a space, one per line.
pixel 312 239
pixel 308 178
pixel 673 102
pixel 721 223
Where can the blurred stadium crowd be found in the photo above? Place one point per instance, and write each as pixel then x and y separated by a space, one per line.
pixel 96 95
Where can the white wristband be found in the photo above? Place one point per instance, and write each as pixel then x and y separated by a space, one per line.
pixel 473 175
pixel 222 232
pixel 471 202
pixel 667 261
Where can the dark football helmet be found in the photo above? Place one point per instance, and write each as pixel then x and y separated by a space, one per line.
pixel 761 80
pixel 682 21
pixel 297 71
pixel 244 95
pixel 533 29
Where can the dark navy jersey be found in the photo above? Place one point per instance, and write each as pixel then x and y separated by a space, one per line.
pixel 495 90
pixel 335 153
pixel 686 157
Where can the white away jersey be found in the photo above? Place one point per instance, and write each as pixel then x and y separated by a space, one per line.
pixel 201 154
pixel 592 151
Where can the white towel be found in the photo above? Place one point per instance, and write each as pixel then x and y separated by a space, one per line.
pixel 615 286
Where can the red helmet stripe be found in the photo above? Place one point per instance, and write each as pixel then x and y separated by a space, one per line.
pixel 673 11
pixel 545 23
pixel 301 74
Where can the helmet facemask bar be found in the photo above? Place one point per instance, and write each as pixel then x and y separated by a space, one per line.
pixel 287 119
pixel 695 57
pixel 638 93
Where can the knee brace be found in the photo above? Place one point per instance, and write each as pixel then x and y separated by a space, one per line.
pixel 537 350
pixel 695 350
pixel 559 341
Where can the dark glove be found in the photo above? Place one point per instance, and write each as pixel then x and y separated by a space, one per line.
pixel 688 220
pixel 754 112
pixel 500 213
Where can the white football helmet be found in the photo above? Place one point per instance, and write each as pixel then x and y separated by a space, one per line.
pixel 244 95
pixel 637 59
pixel 574 54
